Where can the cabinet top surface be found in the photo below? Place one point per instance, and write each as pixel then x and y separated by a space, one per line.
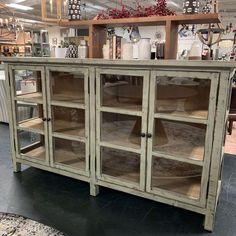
pixel 117 63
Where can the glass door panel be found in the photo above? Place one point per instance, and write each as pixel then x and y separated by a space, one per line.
pixel 179 139
pixel 67 86
pixel 31 145
pixel 182 96
pixel 28 85
pixel 122 130
pixel 121 126
pixel 30 113
pixel 69 153
pixel 121 164
pixel 181 123
pixel 69 121
pixel 69 112
pixel 122 91
pixel 30 116
pixel 178 177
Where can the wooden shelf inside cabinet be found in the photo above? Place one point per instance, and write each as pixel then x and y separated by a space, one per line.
pixel 97 29
pixel 31 97
pixel 113 104
pixel 120 138
pixel 69 128
pixel 34 124
pixel 65 157
pixel 121 167
pixel 37 152
pixel 189 187
pixel 179 139
pixel 197 115
pixel 177 177
pixel 69 98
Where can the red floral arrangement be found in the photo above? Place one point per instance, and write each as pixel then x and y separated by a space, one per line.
pixel 159 9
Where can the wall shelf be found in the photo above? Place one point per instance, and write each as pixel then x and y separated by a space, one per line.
pixel 144 21
pixel 97 32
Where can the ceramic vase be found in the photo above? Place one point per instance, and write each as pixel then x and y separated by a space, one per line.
pixel 83 50
pixel 195 52
pixel 145 49
pixel 72 51
pixel 60 52
pixel 127 51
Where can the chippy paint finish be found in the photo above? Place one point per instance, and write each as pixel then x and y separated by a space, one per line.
pixel 220 74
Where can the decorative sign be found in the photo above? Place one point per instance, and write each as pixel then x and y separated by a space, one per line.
pixel 191 7
pixel 74 10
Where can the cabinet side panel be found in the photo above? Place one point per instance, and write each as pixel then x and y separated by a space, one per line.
pixel 216 161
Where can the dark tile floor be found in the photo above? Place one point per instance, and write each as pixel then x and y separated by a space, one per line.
pixel 65 204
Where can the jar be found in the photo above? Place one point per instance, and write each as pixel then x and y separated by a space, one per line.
pixel 191 6
pixel 105 51
pixel 127 51
pixel 83 50
pixel 195 52
pixel 145 49
pixel 72 51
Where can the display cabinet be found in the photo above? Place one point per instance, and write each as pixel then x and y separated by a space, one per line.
pixel 152 129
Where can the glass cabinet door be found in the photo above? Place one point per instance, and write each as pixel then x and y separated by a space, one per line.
pixel 181 119
pixel 121 111
pixel 69 113
pixel 29 112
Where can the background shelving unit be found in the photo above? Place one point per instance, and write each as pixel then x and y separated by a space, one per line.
pixel 39 43
pixel 98 33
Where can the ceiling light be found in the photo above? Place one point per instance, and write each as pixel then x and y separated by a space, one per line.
pixel 20 7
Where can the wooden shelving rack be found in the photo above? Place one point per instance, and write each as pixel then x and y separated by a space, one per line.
pixel 97 29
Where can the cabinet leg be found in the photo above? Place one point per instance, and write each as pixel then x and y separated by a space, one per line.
pixel 94 190
pixel 209 221
pixel 16 167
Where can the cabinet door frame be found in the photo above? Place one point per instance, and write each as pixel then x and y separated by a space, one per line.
pixel 86 107
pixel 14 110
pixel 209 122
pixel 143 114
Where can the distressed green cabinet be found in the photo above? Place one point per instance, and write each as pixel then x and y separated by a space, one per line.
pixel 152 129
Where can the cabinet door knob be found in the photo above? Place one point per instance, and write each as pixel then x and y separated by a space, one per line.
pixel 143 135
pixel 149 135
pixel 48 119
pixel 44 119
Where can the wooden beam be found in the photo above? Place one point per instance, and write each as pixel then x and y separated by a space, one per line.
pixel 144 21
pixel 97 38
pixel 171 44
